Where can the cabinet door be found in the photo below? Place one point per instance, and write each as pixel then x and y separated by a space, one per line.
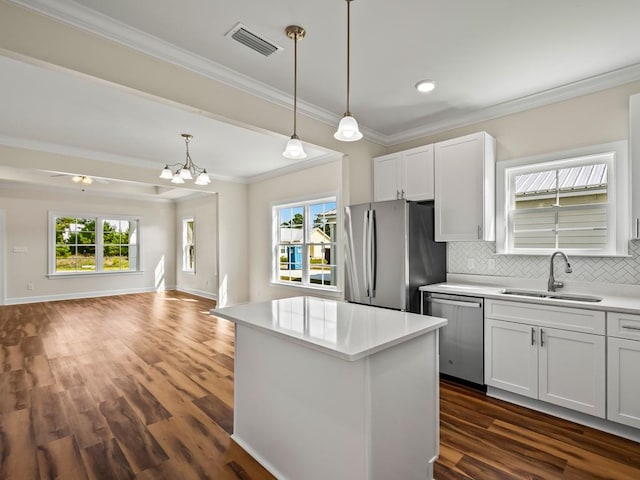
pixel 464 188
pixel 417 174
pixel 623 387
pixel 511 357
pixel 572 370
pixel 634 155
pixel 386 178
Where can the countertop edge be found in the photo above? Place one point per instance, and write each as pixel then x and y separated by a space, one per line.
pixel 608 304
pixel 435 324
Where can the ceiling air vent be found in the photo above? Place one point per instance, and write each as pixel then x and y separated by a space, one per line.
pixel 242 34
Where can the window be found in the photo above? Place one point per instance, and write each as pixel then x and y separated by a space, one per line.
pixel 188 245
pixel 574 203
pixel 92 244
pixel 305 243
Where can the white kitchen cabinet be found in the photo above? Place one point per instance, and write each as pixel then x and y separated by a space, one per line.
pixel 465 188
pixel 407 174
pixel 564 367
pixel 634 155
pixel 511 357
pixel 623 359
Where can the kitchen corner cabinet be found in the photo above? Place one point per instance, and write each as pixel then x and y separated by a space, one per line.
pixel 623 358
pixel 407 174
pixel 465 188
pixel 634 155
pixel 549 353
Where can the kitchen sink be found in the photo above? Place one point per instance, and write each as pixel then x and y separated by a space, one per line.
pixel 554 295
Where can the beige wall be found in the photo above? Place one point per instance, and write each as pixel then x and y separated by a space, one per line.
pixel 204 279
pixel 26 216
pixel 312 183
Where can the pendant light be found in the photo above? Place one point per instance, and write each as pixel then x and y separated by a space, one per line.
pixel 294 148
pixel 348 130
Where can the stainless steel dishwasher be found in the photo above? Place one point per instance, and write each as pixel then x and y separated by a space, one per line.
pixel 462 339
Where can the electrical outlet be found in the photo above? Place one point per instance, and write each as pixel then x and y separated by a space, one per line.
pixel 471 263
pixel 29 286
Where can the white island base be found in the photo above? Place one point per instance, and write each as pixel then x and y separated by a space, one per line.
pixel 306 414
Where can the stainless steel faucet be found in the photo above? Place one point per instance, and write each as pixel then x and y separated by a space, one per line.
pixel 552 284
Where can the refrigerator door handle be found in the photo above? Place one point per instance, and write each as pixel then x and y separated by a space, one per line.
pixel 365 251
pixel 374 253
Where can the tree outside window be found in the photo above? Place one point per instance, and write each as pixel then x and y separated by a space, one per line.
pixel 92 244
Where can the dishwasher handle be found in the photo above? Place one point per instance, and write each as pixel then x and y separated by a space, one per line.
pixel 457 303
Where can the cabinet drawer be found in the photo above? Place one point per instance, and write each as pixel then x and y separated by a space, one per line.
pixel 623 325
pixel 575 319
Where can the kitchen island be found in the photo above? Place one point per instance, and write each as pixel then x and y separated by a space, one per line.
pixel 326 389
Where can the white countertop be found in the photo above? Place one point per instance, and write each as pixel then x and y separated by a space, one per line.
pixel 345 330
pixel 611 303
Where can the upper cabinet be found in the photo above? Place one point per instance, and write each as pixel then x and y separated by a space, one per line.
pixel 465 188
pixel 634 152
pixel 407 174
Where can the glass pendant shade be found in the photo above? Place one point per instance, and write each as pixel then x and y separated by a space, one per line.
pixel 177 178
pixel 203 179
pixel 166 173
pixel 185 173
pixel 294 149
pixel 348 130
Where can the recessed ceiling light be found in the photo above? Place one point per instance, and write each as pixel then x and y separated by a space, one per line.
pixel 424 86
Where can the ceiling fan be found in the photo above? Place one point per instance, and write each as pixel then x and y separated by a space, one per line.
pixel 81 179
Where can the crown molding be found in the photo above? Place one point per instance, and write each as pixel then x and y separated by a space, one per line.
pixel 568 91
pixel 96 23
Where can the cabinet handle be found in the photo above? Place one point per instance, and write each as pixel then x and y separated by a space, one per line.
pixel 397 194
pixel 533 336
pixel 637 228
pixel 628 327
pixel 402 195
pixel 541 337
pixel 479 232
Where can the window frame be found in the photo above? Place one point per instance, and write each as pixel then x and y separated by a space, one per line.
pixel 306 244
pixel 618 195
pixel 185 245
pixel 99 244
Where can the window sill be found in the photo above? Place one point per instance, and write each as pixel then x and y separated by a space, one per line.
pixel 569 254
pixel 92 274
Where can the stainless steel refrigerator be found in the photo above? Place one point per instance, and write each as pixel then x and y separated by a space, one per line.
pixel 390 252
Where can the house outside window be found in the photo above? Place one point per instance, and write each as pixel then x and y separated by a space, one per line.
pixel 188 245
pixel 83 244
pixel 305 235
pixel 575 204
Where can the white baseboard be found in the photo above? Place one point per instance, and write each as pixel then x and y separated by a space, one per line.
pixel 78 295
pixel 571 415
pixel 198 293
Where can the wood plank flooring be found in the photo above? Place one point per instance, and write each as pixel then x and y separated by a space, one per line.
pixel 141 387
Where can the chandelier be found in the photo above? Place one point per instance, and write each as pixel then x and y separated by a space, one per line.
pixel 187 170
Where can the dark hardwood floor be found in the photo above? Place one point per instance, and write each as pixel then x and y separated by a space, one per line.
pixel 141 386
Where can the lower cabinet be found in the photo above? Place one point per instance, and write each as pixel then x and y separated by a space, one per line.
pixel 558 366
pixel 623 360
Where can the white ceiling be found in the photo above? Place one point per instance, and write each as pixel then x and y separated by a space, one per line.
pixel 488 58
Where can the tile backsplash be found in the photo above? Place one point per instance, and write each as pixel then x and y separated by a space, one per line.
pixel 623 270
